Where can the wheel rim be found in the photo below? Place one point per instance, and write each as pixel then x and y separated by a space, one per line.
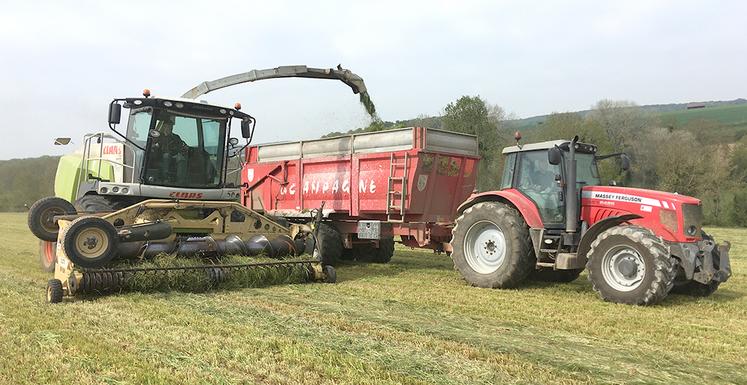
pixel 91 242
pixel 623 268
pixel 49 294
pixel 47 219
pixel 485 247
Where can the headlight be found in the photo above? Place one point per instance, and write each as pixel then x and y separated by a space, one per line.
pixel 103 190
pixel 668 218
pixel 692 230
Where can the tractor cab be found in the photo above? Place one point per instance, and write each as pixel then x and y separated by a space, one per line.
pixel 538 171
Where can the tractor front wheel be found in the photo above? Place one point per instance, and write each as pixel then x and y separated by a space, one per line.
pixel 491 246
pixel 631 265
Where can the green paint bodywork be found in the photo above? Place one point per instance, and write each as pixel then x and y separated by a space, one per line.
pixel 70 175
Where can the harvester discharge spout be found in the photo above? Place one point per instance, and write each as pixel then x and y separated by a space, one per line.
pixel 354 81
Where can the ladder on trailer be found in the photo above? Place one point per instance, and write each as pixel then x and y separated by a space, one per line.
pixel 395 212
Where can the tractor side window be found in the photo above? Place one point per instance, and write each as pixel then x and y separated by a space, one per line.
pixel 587 173
pixel 508 171
pixel 536 179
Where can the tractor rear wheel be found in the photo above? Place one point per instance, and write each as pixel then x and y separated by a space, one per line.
pixel 550 275
pixel 329 244
pixel 99 204
pixel 47 255
pixel 491 246
pixel 90 242
pixel 629 264
pixel 41 217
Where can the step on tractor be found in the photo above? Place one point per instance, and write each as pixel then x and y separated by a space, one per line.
pixel 168 184
pixel 552 219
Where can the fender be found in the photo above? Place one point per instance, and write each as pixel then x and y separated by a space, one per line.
pixel 513 197
pixel 597 228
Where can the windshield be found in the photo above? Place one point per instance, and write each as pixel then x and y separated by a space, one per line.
pixel 185 150
pixel 586 170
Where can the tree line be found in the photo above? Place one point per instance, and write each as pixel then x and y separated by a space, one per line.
pixel 665 155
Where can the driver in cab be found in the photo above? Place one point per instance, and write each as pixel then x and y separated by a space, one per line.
pixel 167 142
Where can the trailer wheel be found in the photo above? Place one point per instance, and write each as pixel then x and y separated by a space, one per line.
pixel 382 254
pixel 629 264
pixel 90 242
pixel 93 203
pixel 329 244
pixel 491 246
pixel 550 275
pixel 54 291
pixel 41 217
pixel 47 255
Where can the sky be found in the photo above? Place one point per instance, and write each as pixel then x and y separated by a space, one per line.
pixel 62 62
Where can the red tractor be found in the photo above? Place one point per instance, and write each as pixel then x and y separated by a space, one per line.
pixel 552 218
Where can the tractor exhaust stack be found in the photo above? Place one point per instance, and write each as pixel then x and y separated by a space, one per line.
pixel 571 193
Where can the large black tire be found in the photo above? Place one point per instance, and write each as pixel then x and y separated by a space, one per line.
pixel 90 242
pixel 47 255
pixel 550 275
pixel 41 217
pixel 100 204
pixel 504 257
pixel 381 254
pixel 329 244
pixel 54 291
pixel 631 265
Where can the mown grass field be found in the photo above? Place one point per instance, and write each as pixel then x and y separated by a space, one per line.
pixel 413 321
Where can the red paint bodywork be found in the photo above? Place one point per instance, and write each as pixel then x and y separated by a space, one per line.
pixel 599 202
pixel 526 207
pixel 354 187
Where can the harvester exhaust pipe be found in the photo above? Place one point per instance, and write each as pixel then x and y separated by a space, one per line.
pixel 571 204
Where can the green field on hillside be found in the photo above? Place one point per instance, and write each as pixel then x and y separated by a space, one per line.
pixel 413 321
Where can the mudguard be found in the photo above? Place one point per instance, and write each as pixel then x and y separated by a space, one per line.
pixel 526 207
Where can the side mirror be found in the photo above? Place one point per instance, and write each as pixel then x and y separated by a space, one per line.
pixel 115 112
pixel 61 141
pixel 554 157
pixel 233 142
pixel 246 128
pixel 625 162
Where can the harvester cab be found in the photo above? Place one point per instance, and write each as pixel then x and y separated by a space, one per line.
pixel 553 218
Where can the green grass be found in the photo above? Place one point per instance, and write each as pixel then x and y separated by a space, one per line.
pixel 413 321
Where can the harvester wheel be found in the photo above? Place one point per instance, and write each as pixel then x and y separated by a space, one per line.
pixel 550 275
pixel 491 246
pixel 90 242
pixel 54 291
pixel 41 217
pixel 629 264
pixel 382 254
pixel 329 244
pixel 99 204
pixel 330 275
pixel 47 255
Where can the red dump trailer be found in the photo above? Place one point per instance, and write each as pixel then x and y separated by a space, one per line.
pixel 376 186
